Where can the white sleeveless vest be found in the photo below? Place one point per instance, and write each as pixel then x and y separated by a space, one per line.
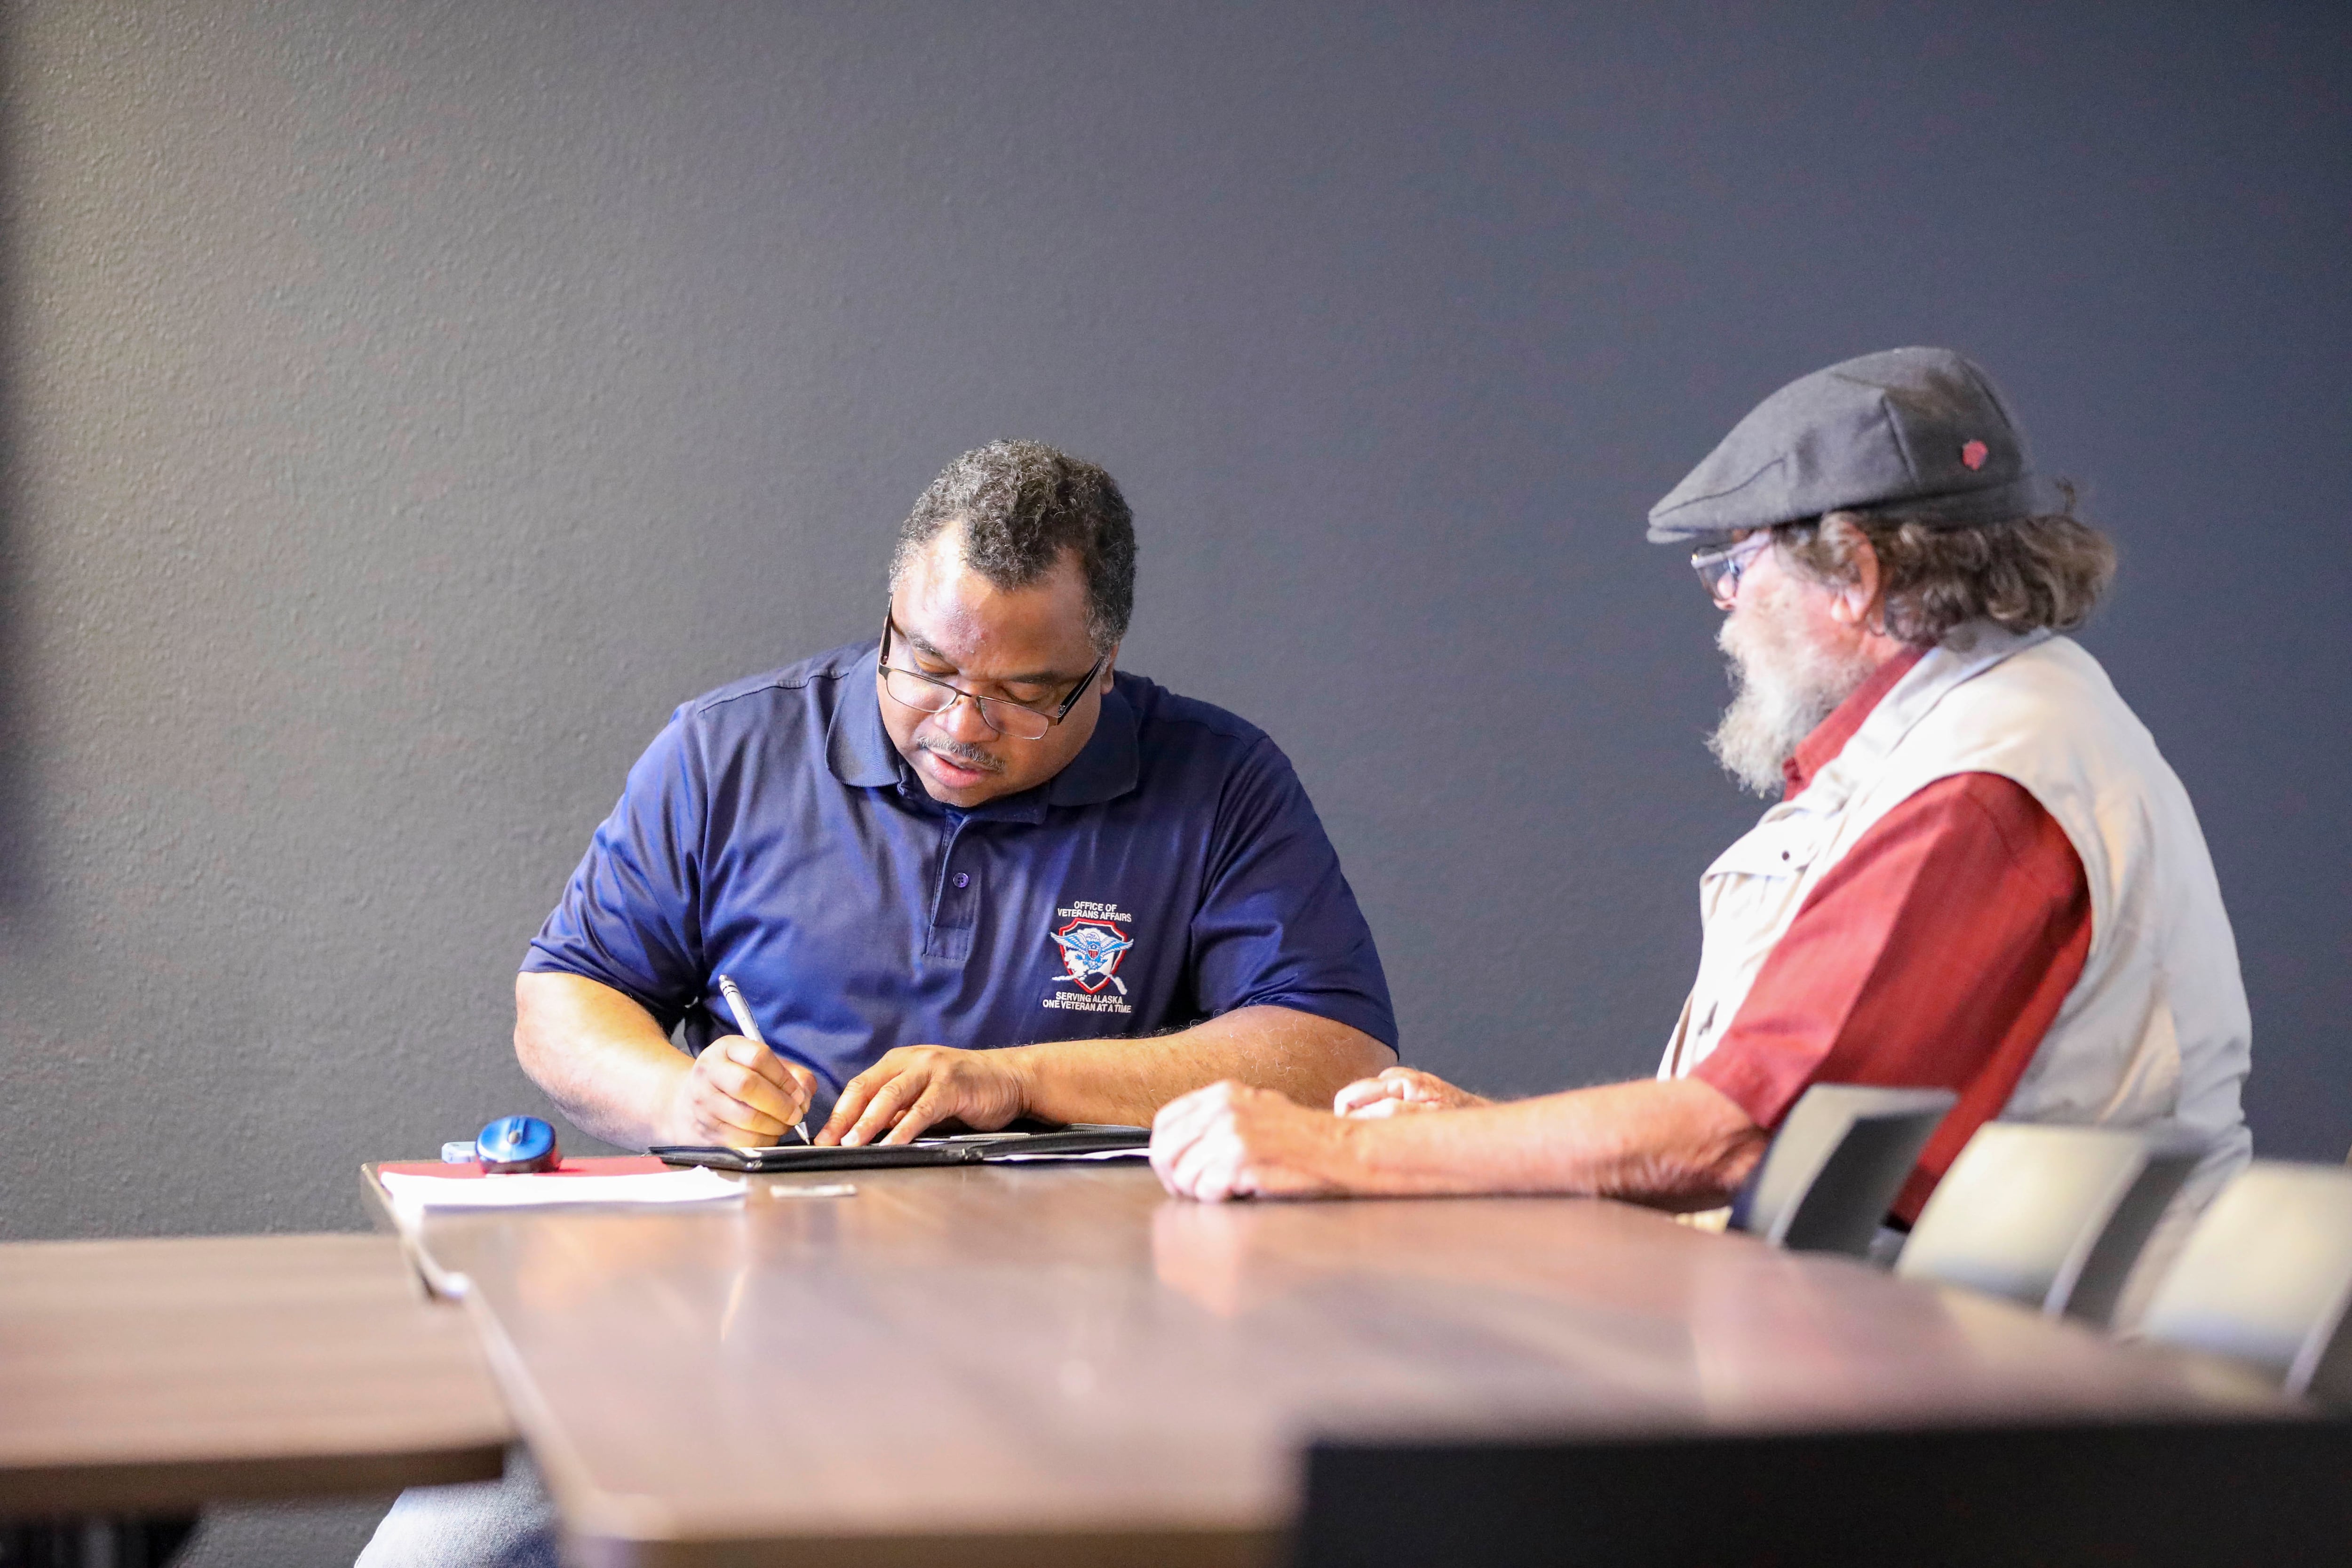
pixel 2155 1033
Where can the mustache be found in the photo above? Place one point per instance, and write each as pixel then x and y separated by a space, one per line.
pixel 957 752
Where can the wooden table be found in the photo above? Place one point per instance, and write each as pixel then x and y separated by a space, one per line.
pixel 1056 1364
pixel 159 1376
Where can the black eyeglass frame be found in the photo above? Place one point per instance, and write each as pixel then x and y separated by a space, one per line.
pixel 984 706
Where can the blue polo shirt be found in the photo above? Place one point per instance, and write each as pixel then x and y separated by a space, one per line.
pixel 1174 870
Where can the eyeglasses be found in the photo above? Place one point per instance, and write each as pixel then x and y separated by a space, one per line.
pixel 928 694
pixel 1718 570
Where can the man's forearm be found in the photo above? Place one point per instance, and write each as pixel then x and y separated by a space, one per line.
pixel 597 1053
pixel 1679 1144
pixel 1301 1056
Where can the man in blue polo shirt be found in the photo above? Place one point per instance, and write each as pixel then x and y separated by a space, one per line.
pixel 966 873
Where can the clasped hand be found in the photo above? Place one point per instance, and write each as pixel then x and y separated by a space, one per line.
pixel 1230 1140
pixel 1400 1090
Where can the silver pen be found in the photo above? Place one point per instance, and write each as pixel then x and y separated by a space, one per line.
pixel 750 1028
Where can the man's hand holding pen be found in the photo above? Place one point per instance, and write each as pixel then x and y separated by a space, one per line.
pixel 739 1094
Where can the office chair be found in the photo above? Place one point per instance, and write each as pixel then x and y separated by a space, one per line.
pixel 2266 1278
pixel 2194 1494
pixel 2051 1216
pixel 1835 1165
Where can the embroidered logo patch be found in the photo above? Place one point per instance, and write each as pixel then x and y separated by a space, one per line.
pixel 1093 938
pixel 1973 455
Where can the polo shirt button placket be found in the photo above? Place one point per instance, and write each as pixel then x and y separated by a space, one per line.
pixel 954 906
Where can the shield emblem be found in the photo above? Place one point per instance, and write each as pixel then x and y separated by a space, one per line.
pixel 1091 951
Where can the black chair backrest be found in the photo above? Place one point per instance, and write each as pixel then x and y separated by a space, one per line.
pixel 97 1541
pixel 1841 1156
pixel 2196 1495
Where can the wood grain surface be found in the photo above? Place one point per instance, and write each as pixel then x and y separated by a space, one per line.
pixel 1059 1365
pixel 156 1375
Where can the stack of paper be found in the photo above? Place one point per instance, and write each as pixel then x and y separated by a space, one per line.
pixel 412 1194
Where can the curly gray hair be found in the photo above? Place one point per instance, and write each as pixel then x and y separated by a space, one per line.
pixel 2021 573
pixel 1022 504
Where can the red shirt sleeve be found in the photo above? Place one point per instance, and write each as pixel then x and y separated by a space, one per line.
pixel 1935 954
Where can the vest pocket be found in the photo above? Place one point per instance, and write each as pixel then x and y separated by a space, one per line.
pixel 1774 847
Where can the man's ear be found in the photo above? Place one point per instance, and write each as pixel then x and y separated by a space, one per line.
pixel 1110 666
pixel 1855 603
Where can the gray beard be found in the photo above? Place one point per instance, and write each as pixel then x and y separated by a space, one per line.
pixel 1783 687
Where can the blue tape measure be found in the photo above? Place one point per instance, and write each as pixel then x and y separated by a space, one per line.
pixel 518 1143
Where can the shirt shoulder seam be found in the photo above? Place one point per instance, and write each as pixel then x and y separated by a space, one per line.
pixel 778 682
pixel 1242 730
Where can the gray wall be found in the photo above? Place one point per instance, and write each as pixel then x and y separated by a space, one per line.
pixel 407 405
pixel 403 406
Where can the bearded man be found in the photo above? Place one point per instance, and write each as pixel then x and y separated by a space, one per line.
pixel 1981 876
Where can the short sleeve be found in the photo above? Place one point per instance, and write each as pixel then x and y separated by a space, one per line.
pixel 630 917
pixel 1279 925
pixel 1935 954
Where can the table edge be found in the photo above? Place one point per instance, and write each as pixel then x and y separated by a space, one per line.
pixel 36 1491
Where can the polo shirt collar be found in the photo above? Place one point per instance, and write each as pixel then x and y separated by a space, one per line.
pixel 1107 766
pixel 858 750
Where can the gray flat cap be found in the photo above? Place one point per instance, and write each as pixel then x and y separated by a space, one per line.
pixel 1910 431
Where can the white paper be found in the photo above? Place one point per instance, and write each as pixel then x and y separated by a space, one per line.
pixel 1097 1154
pixel 412 1195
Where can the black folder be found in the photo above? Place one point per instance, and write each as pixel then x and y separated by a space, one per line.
pixel 1078 1140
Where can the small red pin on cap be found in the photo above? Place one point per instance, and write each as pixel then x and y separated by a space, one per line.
pixel 1974 453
